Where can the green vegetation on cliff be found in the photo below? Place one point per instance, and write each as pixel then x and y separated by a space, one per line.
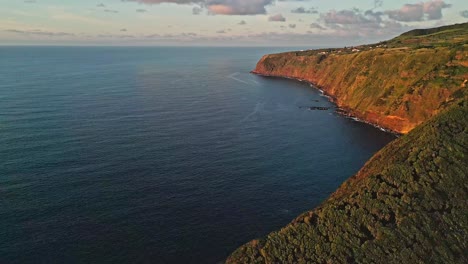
pixel 397 84
pixel 407 205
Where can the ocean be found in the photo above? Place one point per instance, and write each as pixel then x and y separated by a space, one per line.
pixel 158 154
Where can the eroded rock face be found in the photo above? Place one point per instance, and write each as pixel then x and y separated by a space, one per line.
pixel 397 86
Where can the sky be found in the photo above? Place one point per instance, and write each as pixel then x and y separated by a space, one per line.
pixel 219 22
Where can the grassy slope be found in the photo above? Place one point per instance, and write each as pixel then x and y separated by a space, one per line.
pixel 407 205
pixel 397 84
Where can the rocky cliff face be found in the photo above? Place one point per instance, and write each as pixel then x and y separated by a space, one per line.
pixel 397 84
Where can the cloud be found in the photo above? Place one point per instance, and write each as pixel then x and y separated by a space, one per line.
pixel 237 7
pixel 354 25
pixel 220 7
pixel 344 17
pixel 375 23
pixel 277 18
pixel 366 24
pixel 39 32
pixel 302 10
pixel 337 37
pixel 430 10
pixel 433 9
pixel 408 13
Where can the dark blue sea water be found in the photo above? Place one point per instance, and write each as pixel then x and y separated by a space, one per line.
pixel 159 155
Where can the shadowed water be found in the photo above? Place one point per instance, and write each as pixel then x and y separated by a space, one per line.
pixel 159 155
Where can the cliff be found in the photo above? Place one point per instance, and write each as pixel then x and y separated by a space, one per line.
pixel 396 84
pixel 406 205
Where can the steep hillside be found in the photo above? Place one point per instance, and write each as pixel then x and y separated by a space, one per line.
pixel 397 84
pixel 407 205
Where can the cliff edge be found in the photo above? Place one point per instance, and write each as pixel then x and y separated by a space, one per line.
pixel 396 84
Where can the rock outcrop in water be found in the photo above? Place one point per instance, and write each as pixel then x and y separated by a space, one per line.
pixel 408 203
pixel 396 84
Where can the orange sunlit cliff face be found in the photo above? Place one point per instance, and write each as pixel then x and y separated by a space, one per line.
pixel 397 84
